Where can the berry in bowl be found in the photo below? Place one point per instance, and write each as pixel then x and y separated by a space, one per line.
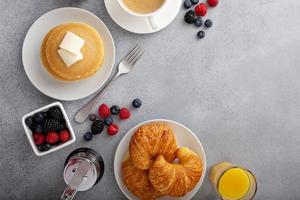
pixel 48 129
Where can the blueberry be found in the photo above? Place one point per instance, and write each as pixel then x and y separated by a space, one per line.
pixel 189 17
pixel 115 110
pixel 198 22
pixel 194 2
pixel 208 23
pixel 92 117
pixel 28 121
pixel 108 121
pixel 44 147
pixel 88 136
pixel 187 4
pixel 201 34
pixel 38 117
pixel 39 128
pixel 137 103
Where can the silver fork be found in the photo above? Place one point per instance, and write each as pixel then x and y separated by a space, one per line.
pixel 125 66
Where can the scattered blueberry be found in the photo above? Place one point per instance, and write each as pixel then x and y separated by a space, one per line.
pixel 115 110
pixel 194 2
pixel 28 121
pixel 187 4
pixel 189 17
pixel 208 23
pixel 137 103
pixel 44 147
pixel 38 117
pixel 108 121
pixel 97 127
pixel 92 117
pixel 88 136
pixel 39 128
pixel 198 22
pixel 201 34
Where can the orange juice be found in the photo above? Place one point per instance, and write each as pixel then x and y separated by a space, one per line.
pixel 232 182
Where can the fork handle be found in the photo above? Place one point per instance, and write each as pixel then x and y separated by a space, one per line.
pixel 83 113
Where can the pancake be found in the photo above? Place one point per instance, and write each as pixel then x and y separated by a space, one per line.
pixel 93 52
pixel 44 59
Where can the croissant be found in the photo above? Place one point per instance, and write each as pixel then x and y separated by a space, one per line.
pixel 137 182
pixel 149 141
pixel 176 179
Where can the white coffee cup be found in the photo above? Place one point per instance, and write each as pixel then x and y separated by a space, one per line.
pixel 150 16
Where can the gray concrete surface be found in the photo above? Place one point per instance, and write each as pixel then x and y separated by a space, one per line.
pixel 238 89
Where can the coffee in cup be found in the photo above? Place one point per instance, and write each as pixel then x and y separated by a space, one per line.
pixel 143 6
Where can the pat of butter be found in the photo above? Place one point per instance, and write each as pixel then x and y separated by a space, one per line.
pixel 72 43
pixel 69 58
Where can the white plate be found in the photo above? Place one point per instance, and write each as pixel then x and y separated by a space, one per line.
pixel 35 71
pixel 141 24
pixel 184 137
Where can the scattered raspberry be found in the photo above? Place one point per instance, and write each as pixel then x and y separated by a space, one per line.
pixel 38 138
pixel 213 3
pixel 201 9
pixel 124 114
pixel 52 138
pixel 64 136
pixel 104 111
pixel 112 129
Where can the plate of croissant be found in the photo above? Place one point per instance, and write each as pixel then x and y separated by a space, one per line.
pixel 159 159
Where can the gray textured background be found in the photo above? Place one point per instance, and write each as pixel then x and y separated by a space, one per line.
pixel 238 89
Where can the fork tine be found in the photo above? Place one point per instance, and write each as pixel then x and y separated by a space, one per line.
pixel 135 54
pixel 132 52
pixel 137 57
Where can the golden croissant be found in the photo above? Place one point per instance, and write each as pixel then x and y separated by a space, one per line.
pixel 176 179
pixel 137 182
pixel 149 141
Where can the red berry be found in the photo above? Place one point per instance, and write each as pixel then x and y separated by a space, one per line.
pixel 64 136
pixel 212 3
pixel 112 129
pixel 124 114
pixel 201 9
pixel 38 138
pixel 52 138
pixel 104 111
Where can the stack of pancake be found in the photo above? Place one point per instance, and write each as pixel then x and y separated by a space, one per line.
pixel 92 51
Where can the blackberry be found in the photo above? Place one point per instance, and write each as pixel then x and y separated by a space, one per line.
pixel 97 127
pixel 55 113
pixel 51 125
pixel 189 17
pixel 44 147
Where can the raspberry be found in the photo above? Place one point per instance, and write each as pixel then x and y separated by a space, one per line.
pixel 38 138
pixel 212 3
pixel 112 129
pixel 52 138
pixel 201 9
pixel 64 136
pixel 124 114
pixel 104 111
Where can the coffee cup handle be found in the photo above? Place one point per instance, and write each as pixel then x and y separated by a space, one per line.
pixel 153 22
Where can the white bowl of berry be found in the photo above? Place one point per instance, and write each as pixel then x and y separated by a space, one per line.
pixel 48 129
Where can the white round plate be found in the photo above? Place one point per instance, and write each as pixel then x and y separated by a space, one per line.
pixel 38 75
pixel 184 137
pixel 141 24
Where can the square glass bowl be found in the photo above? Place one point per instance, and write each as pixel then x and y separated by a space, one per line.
pixel 30 134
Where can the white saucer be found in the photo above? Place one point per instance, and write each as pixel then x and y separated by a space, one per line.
pixel 37 74
pixel 140 24
pixel 184 137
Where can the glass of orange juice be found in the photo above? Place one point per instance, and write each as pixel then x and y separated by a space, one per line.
pixel 233 182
